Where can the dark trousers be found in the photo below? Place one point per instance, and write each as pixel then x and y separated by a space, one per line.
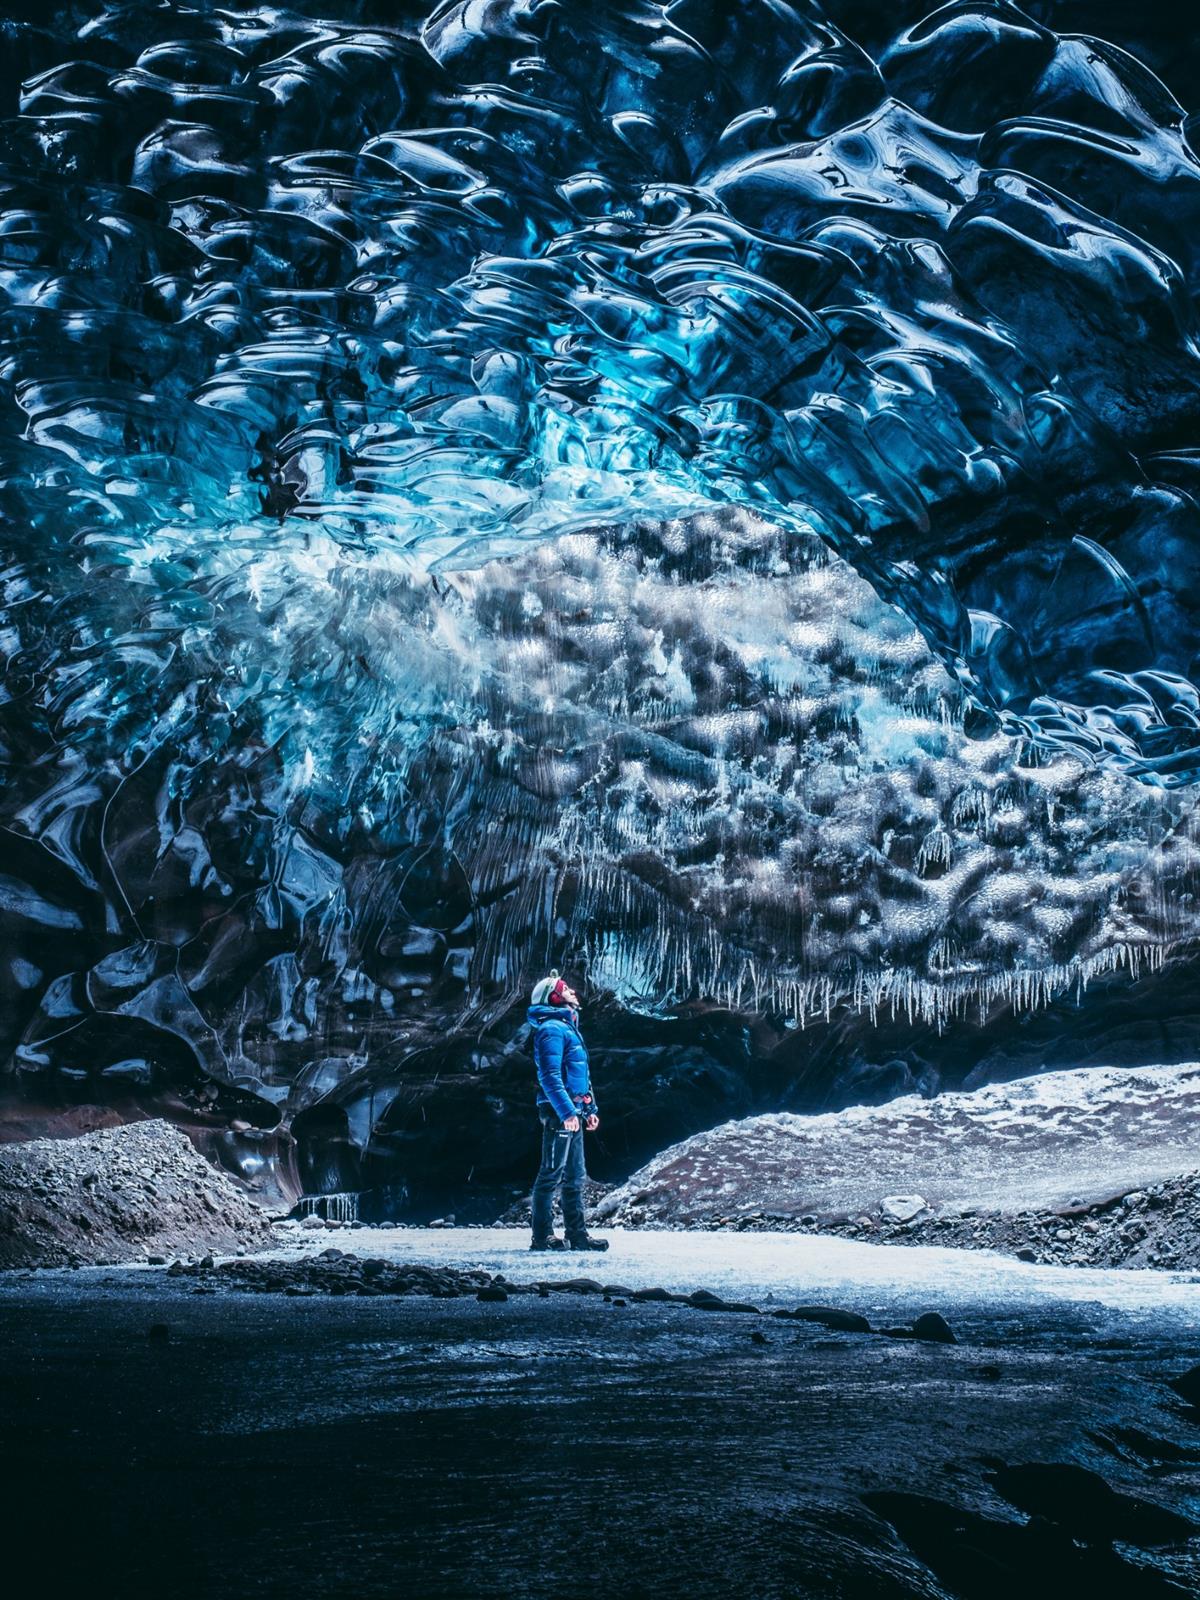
pixel 562 1162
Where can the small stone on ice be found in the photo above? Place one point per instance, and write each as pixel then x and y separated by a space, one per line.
pixel 903 1207
pixel 933 1328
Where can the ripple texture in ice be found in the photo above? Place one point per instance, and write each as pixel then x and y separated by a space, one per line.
pixel 327 334
pixel 449 280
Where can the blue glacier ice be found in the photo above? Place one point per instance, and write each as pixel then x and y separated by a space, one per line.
pixel 703 491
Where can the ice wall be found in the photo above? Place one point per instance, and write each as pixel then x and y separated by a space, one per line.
pixel 447 281
pixel 701 491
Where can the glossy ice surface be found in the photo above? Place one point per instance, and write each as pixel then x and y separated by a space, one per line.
pixel 864 346
pixel 441 283
pixel 974 1287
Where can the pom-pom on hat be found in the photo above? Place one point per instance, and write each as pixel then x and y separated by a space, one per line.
pixel 548 991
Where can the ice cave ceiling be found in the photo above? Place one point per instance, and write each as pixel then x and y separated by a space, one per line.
pixel 703 493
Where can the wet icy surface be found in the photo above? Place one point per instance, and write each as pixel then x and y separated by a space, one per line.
pixel 453 279
pixel 979 1288
pixel 324 1445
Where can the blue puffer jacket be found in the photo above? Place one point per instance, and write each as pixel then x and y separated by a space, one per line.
pixel 561 1058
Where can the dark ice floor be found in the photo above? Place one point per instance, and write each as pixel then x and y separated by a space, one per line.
pixel 542 1447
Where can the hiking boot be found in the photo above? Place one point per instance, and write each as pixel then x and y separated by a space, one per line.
pixel 585 1242
pixel 548 1244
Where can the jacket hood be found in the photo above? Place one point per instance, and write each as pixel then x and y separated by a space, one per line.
pixel 536 1015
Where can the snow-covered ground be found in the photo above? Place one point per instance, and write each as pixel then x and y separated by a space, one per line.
pixel 1051 1139
pixel 791 1269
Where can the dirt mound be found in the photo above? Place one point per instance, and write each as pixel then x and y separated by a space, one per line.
pixel 1158 1226
pixel 114 1195
pixel 1154 1226
pixel 1045 1142
pixel 1089 1167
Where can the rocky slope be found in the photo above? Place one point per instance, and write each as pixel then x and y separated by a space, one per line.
pixel 113 1195
pixel 1092 1168
pixel 1156 1226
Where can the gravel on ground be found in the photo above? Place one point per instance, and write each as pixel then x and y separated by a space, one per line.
pixel 142 1189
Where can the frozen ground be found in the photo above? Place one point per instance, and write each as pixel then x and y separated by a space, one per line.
pixel 172 1436
pixel 786 1269
pixel 1046 1140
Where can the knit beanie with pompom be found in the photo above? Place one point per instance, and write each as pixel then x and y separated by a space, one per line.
pixel 548 992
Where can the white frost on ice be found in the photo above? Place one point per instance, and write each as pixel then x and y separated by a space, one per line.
pixel 1047 1139
pixel 878 1280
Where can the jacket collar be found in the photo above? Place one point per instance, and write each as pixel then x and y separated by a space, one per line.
pixel 537 1015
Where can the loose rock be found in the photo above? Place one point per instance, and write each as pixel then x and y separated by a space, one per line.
pixel 85 1200
pixel 829 1317
pixel 933 1328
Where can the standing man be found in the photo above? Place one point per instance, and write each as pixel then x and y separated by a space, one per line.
pixel 566 1105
